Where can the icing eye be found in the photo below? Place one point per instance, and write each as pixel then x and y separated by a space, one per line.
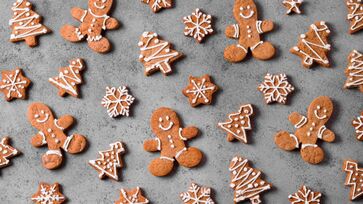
pixel 42 111
pixel 318 107
pixel 167 118
pixel 325 111
pixel 241 8
pixel 248 7
pixel 160 119
pixel 36 116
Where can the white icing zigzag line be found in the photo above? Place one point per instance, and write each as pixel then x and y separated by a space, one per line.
pixel 355 77
pixel 27 25
pixel 359 123
pixel 355 15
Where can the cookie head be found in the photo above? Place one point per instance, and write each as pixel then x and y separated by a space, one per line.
pixel 100 7
pixel 244 10
pixel 321 109
pixel 164 120
pixel 39 114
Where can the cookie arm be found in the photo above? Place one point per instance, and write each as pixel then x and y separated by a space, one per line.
pixel 64 122
pixel 188 133
pixel 326 134
pixel 78 13
pixel 152 145
pixel 112 23
pixel 264 26
pixel 38 140
pixel 232 31
pixel 297 119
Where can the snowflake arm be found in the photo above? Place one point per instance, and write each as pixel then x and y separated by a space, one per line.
pixel 198 25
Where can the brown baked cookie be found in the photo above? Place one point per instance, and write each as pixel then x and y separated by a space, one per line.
pixel 354 178
pixel 238 123
pixel 69 78
pixel 308 130
pixel 305 196
pixel 355 15
pixel 51 133
pixel 248 30
pixel 110 161
pixel 292 6
pixel 197 194
pixel 117 101
pixel 6 152
pixel 48 194
pixel 358 126
pixel 157 5
pixel 354 71
pixel 170 141
pixel 276 88
pixel 156 54
pixel 14 84
pixel 313 46
pixel 198 25
pixel 200 90
pixel 246 181
pixel 132 196
pixel 26 24
pixel 94 21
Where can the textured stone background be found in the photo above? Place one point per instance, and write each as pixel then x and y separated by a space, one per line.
pixel 238 83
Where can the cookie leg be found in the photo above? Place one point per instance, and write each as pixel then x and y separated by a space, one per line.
pixel 102 45
pixel 286 141
pixel 52 159
pixel 31 41
pixel 312 153
pixel 189 157
pixel 235 53
pixel 75 144
pixel 263 50
pixel 161 166
pixel 71 33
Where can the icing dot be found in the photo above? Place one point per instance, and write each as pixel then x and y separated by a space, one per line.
pixel 5 151
pixel 27 14
pixel 140 44
pixel 232 185
pixel 248 7
pixel 141 56
pixel 36 116
pixel 49 130
pixel 235 119
pixel 156 41
pixel 236 125
pixel 160 119
pixel 27 3
pixel 167 50
pixel 302 36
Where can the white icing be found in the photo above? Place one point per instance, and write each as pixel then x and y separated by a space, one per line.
pixel 321 131
pixel 256 45
pixel 102 6
pixel 13 84
pixel 308 145
pixel 167 158
pixel 353 174
pixel 355 15
pixel 243 48
pixel 45 119
pixel 317 115
pixel 159 144
pixel 358 129
pixel 170 125
pixel 133 199
pixel 48 196
pixel 236 30
pixel 302 122
pixel 199 90
pixel 180 152
pixel 258 26
pixel 117 101
pixel 305 196
pixel 181 135
pixel 6 151
pixel 44 141
pixel 275 88
pixel 355 70
pixel 293 5
pixel 66 143
pixel 296 140
pixel 158 4
pixel 251 12
pixel 201 26
pixel 54 152
pixel 197 195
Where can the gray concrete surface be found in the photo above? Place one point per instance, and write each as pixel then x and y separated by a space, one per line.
pixel 238 83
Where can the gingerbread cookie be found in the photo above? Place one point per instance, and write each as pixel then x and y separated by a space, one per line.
pixel 308 130
pixel 354 71
pixel 246 181
pixel 354 178
pixel 117 101
pixel 26 24
pixel 132 196
pixel 197 194
pixel 238 123
pixel 305 196
pixel 276 88
pixel 170 141
pixel 110 161
pixel 157 5
pixel 355 15
pixel 358 126
pixel 51 133
pixel 14 84
pixel 292 6
pixel 313 46
pixel 68 78
pixel 94 21
pixel 248 31
pixel 200 90
pixel 6 152
pixel 156 54
pixel 48 194
pixel 198 25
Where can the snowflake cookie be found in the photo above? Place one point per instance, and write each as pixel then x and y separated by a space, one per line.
pixel 14 84
pixel 275 88
pixel 157 5
pixel 246 181
pixel 354 71
pixel 305 196
pixel 156 54
pixel 69 77
pixel 200 90
pixel 197 195
pixel 48 194
pixel 292 6
pixel 354 178
pixel 355 15
pixel 238 123
pixel 117 101
pixel 6 152
pixel 109 162
pixel 198 25
pixel 132 196
pixel 358 126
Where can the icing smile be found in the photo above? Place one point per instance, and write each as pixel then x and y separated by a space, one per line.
pixel 320 117
pixel 246 16
pixel 165 128
pixel 102 5
pixel 46 117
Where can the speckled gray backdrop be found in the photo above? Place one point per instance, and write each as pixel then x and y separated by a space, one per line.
pixel 238 83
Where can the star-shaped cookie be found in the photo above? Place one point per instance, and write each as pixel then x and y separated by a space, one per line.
pixel 13 84
pixel 200 90
pixel 197 194
pixel 132 196
pixel 48 194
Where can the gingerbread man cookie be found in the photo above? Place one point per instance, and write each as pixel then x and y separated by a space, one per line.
pixel 51 132
pixel 93 22
pixel 358 126
pixel 6 152
pixel 170 141
pixel 14 84
pixel 248 31
pixel 308 130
